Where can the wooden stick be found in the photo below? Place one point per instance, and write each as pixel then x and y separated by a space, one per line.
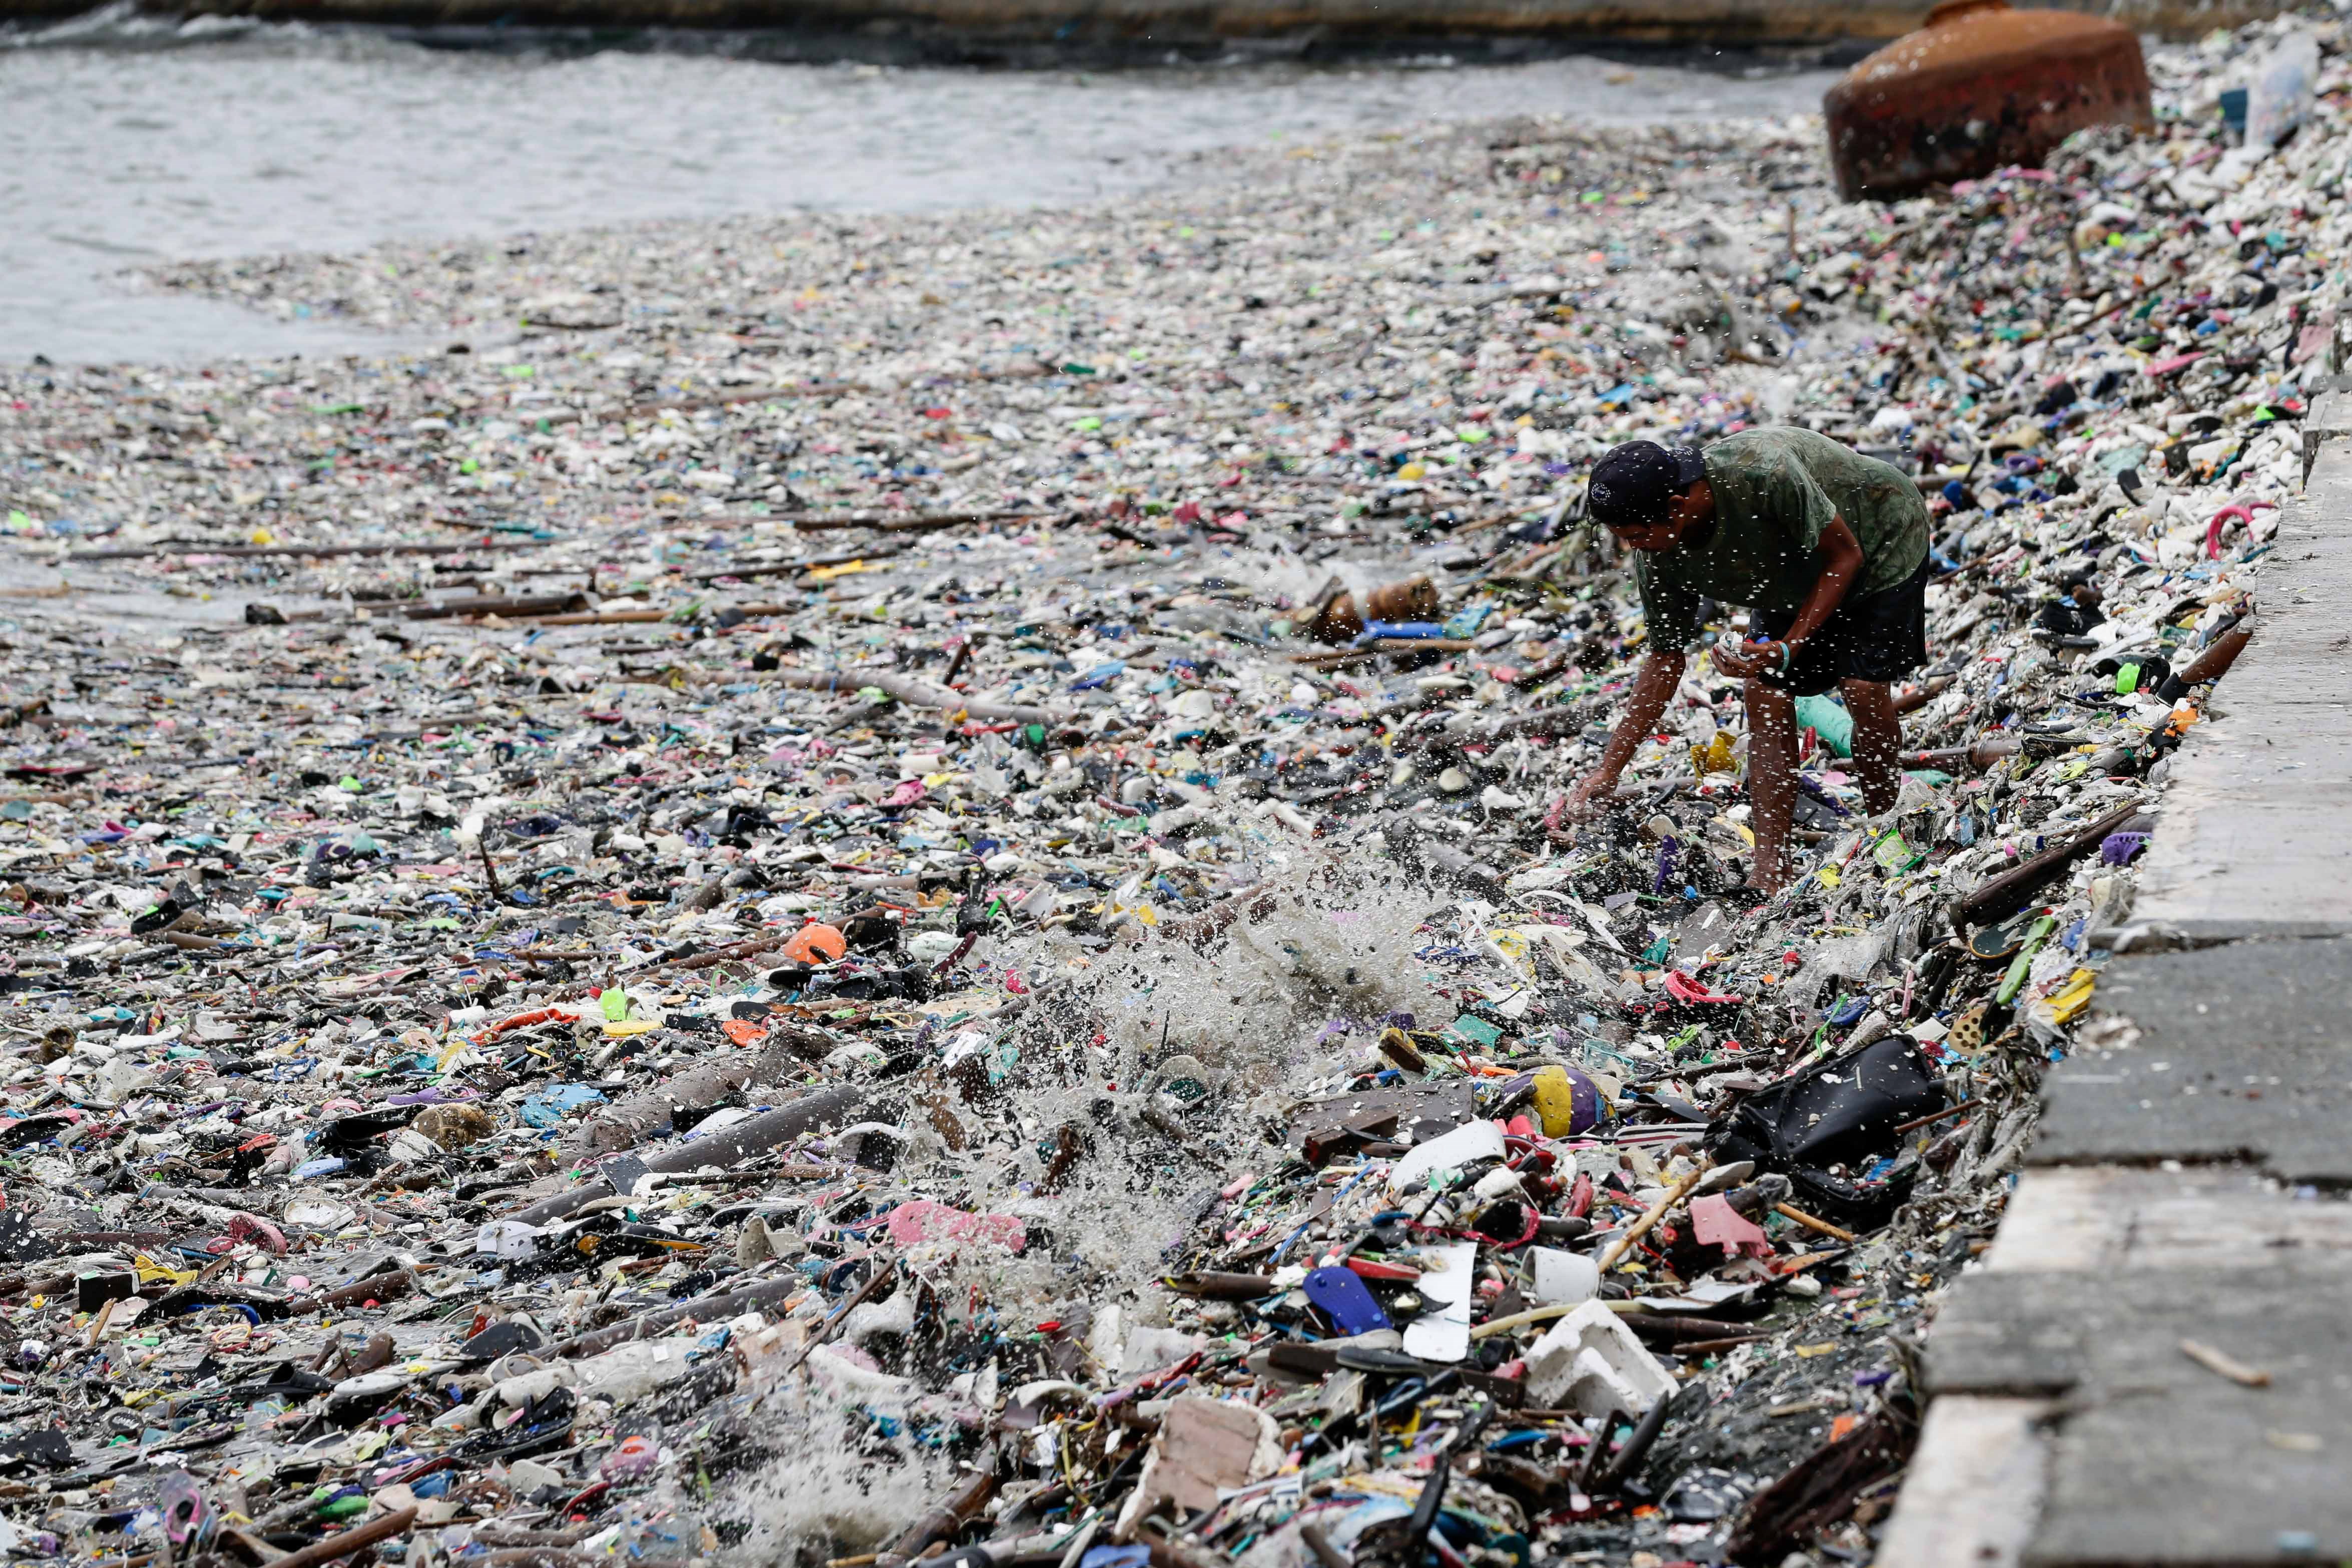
pixel 349 1541
pixel 818 389
pixel 1809 1223
pixel 825 1329
pixel 594 618
pixel 1337 659
pixel 1326 1554
pixel 757 945
pixel 1642 1226
pixel 880 551
pixel 908 523
pixel 1338 656
pixel 1527 680
pixel 953 1511
pixel 2223 1365
pixel 507 604
pixel 1913 1126
pixel 727 955
pixel 2002 896
pixel 1542 1314
pixel 1920 696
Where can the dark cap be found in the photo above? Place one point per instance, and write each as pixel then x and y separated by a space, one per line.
pixel 1637 483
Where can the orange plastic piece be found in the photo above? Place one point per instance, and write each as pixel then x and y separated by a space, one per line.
pixel 816 943
pixel 523 1020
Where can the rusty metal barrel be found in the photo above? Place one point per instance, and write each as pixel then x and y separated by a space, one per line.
pixel 1979 86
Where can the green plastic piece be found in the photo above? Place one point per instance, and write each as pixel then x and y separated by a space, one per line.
pixel 1474 1030
pixel 2014 981
pixel 1829 720
pixel 1894 854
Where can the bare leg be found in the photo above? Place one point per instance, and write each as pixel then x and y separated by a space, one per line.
pixel 1877 742
pixel 1771 779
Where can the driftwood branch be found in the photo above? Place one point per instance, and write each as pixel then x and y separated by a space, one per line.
pixel 918 693
pixel 149 552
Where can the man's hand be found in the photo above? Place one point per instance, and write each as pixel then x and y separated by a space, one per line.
pixel 1654 686
pixel 1588 800
pixel 1755 656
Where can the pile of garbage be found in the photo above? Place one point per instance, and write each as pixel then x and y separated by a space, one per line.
pixel 933 920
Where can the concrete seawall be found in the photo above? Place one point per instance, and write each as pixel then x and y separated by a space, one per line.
pixel 2185 1186
pixel 1164 24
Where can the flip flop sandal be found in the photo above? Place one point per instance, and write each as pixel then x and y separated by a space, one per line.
pixel 1993 943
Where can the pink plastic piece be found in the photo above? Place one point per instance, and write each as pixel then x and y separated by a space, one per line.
pixel 1715 1223
pixel 253 1228
pixel 634 1458
pixel 2241 510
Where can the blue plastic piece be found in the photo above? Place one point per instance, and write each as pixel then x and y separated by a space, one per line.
pixel 1341 1296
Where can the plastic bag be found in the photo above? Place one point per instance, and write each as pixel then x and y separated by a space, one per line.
pixel 1838 1111
pixel 1828 718
pixel 2279 97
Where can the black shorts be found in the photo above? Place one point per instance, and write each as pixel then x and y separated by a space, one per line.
pixel 1880 637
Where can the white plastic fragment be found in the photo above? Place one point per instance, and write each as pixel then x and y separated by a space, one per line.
pixel 1475 1140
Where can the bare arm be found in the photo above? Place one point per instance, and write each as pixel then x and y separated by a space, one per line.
pixel 1653 688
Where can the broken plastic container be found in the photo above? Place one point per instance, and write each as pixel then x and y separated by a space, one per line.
pixel 1564 1279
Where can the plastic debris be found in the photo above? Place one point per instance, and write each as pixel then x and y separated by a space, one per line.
pixel 796 925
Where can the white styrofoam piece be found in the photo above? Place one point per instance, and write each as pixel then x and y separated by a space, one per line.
pixel 1592 1362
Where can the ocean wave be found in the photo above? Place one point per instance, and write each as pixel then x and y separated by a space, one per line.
pixel 122 24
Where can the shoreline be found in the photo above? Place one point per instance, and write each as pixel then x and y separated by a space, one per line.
pixel 689 132
pixel 1034 33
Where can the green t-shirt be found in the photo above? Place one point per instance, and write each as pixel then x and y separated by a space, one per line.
pixel 1775 491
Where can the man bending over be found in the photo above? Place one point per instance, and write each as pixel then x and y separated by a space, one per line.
pixel 1826 546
